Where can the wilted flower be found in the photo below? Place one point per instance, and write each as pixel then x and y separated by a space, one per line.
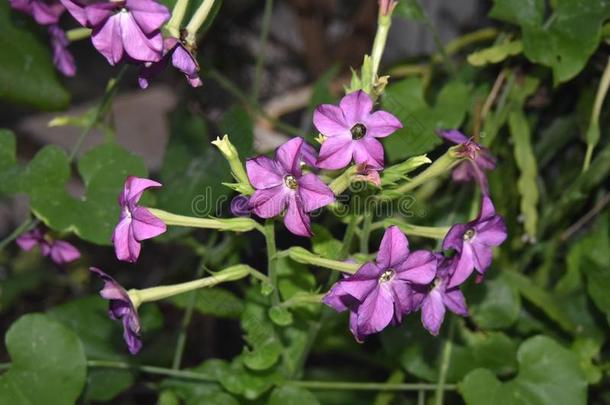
pixel 381 292
pixel 351 130
pixel 61 252
pixel 433 300
pixel 62 58
pixel 474 241
pixel 368 174
pixel 181 58
pixel 281 185
pixel 123 28
pixel 479 159
pixel 136 223
pixel 121 308
pixel 45 12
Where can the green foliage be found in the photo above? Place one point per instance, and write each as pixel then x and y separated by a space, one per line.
pixel 548 374
pixel 496 53
pixel 494 304
pixel 217 302
pixel 290 395
pixel 27 73
pixel 405 99
pixel 48 363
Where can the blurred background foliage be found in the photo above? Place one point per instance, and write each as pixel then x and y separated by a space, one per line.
pixel 524 77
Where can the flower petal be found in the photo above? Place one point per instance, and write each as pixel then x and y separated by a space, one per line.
pixel 97 13
pixel 149 14
pixel 264 172
pixel 134 187
pixel 335 153
pixel 418 268
pixel 455 237
pixel 381 124
pixel 314 193
pixel 76 10
pixel 145 225
pixel 403 298
pixel 184 61
pixel 376 312
pixel 126 247
pixel 329 121
pixel 394 248
pixel 369 151
pixel 433 312
pixel 464 266
pixel 105 39
pixel 455 302
pixel 356 107
pixel 289 155
pixel 137 45
pixel 63 252
pixel 268 203
pixel 453 135
pixel 296 220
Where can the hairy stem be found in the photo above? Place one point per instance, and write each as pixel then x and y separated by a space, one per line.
pixel 272 259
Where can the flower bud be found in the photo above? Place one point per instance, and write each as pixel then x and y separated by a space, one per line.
pixel 237 168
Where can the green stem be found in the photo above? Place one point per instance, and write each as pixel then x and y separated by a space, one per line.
pixel 302 299
pixel 301 255
pixel 241 224
pixel 183 374
pixel 232 88
pixel 186 320
pixel 100 111
pixel 368 386
pixel 440 386
pixel 178 12
pixel 343 181
pixel 384 22
pixel 260 60
pixel 431 232
pixel 25 226
pixel 76 34
pixel 197 20
pixel 269 233
pixel 232 273
pixel 594 130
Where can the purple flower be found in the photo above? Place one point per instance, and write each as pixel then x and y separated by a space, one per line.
pixel 474 241
pixel 281 185
pixel 136 223
pixel 381 292
pixel 181 59
pixel 61 252
pixel 62 58
pixel 240 206
pixel 121 307
pixel 479 159
pixel 351 131
pixel 123 28
pixel 45 12
pixel 435 299
pixel 368 174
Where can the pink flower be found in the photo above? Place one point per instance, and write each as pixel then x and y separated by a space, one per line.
pixel 352 131
pixel 123 29
pixel 136 223
pixel 62 58
pixel 281 186
pixel 45 12
pixel 61 252
pixel 181 59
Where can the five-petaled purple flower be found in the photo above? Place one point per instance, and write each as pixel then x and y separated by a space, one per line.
pixel 181 58
pixel 351 130
pixel 474 241
pixel 281 185
pixel 121 308
pixel 61 252
pixel 62 58
pixel 123 29
pixel 136 223
pixel 381 292
pixel 433 300
pixel 45 12
pixel 479 159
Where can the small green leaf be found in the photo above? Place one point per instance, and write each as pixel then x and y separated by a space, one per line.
pixel 526 162
pixel 520 12
pixel 236 122
pixel 496 53
pixel 548 374
pixel 280 316
pixel 48 363
pixel 291 395
pixel 494 304
pixel 324 244
pixel 27 74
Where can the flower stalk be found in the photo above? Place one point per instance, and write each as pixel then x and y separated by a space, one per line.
pixel 201 14
pixel 341 183
pixel 432 232
pixel 241 224
pixel 238 172
pixel 384 22
pixel 76 34
pixel 232 273
pixel 300 255
pixel 175 22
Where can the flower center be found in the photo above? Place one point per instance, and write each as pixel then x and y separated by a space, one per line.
pixel 387 276
pixel 469 234
pixel 291 182
pixel 358 131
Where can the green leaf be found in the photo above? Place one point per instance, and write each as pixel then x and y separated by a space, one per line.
pixel 9 171
pixel 496 53
pixel 293 278
pixel 280 316
pixel 103 170
pixel 291 395
pixel 410 9
pixel 548 374
pixel 526 162
pixel 217 302
pixel 192 170
pixel 520 12
pixel 48 363
pixel 27 74
pixel 393 174
pixel 236 122
pixel 587 350
pixel 494 304
pixel 405 99
pixel 324 244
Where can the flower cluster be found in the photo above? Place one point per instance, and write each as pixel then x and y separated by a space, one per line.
pixel 61 252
